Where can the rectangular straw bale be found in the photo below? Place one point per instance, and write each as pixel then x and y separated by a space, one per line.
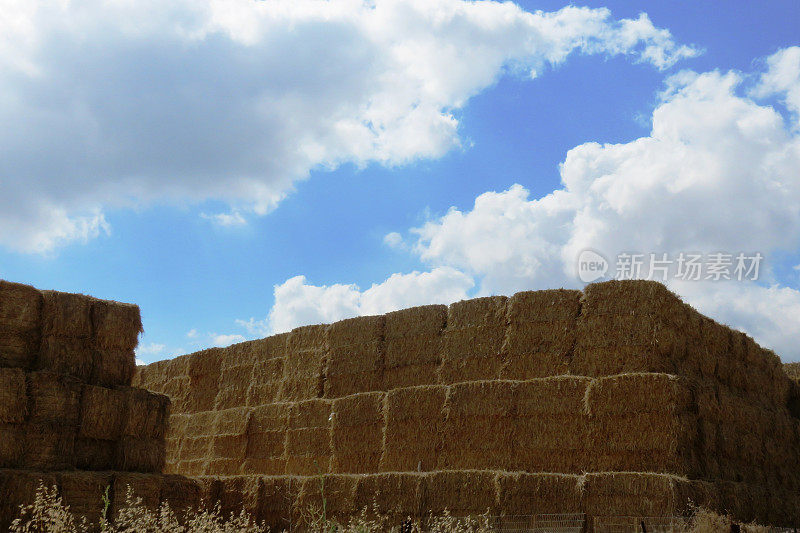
pixel 630 494
pixel 140 455
pixel 637 393
pixel 130 486
pixel 410 376
pixel 229 447
pixel 11 444
pixel 231 421
pixel 265 453
pixel 205 362
pixel 339 492
pixel 83 493
pixel 116 325
pixel 13 396
pixel 413 433
pixel 278 494
pixel 192 468
pixel 48 446
pixel 200 423
pixel 476 429
pixel 355 356
pixel 18 350
pixel 196 448
pixel 112 367
pixel 308 451
pixel 339 385
pixel 93 454
pixel 270 417
pixel 102 413
pixel 356 331
pixel 147 414
pixel 310 413
pixel 395 495
pixel 527 494
pixel 17 488
pixel 66 315
pixel 303 377
pixel 487 311
pixel 20 307
pixel 234 384
pixel 66 355
pixel 357 433
pixel 544 306
pixel 266 382
pixel 182 494
pixel 20 324
pixel 54 397
pixel 460 492
pixel 239 493
pixel 426 320
pixel 537 349
pixel 423 349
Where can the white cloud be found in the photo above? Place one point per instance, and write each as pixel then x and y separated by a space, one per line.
pixel 783 78
pixel 298 303
pixel 119 104
pixel 718 172
pixel 234 218
pixel 222 340
pixel 139 362
pixel 393 240
pixel 152 348
pixel 192 334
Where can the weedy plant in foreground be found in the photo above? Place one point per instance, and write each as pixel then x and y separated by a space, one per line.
pixel 48 514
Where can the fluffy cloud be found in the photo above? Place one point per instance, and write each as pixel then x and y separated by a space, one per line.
pixel 719 171
pixel 300 303
pixel 124 103
pixel 222 340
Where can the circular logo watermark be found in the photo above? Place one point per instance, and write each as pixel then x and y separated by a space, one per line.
pixel 591 266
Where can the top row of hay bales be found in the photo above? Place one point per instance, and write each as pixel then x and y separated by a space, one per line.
pixel 70 334
pixel 609 328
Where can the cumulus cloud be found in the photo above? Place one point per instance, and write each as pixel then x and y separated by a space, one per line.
pixel 222 340
pixel 117 104
pixel 720 171
pixel 298 302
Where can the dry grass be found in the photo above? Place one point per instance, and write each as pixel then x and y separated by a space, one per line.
pixel 49 514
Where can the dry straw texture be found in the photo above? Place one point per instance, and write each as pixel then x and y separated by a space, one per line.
pixel 357 433
pixel 413 428
pixel 20 324
pixel 473 340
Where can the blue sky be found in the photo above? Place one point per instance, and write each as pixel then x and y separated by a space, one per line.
pixel 200 176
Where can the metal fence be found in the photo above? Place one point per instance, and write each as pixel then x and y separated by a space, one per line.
pixel 638 524
pixel 541 523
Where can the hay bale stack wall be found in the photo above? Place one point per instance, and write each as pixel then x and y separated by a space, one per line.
pixel 68 414
pixel 498 403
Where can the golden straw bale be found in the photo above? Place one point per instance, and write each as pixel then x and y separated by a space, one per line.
pixel 201 423
pixel 229 447
pixel 18 350
pixel 395 495
pixel 182 494
pixel 66 315
pixel 196 448
pixel 475 429
pixel 355 356
pixel 13 395
pixel 410 376
pixel 310 413
pixel 113 367
pixel 54 398
pixel 48 446
pixel 93 454
pixel 357 433
pixel 308 440
pixel 792 370
pixel 527 494
pixel 102 413
pixel 147 414
pixel 637 393
pixel 144 486
pixel 83 493
pixel 17 488
pixel 20 307
pixel 239 493
pixel 192 468
pixel 470 492
pixel 266 382
pixel 423 349
pixel 20 324
pixel 278 494
pixel 540 333
pixel 631 494
pixel 413 432
pixel 265 453
pixel 11 444
pixel 303 376
pixel 140 455
pixel 339 493
pixel 231 421
pixel 116 325
pixel 66 355
pixel 473 339
pixel 427 320
pixel 356 331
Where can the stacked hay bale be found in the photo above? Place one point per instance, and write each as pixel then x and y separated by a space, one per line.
pixel 496 403
pixel 68 415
